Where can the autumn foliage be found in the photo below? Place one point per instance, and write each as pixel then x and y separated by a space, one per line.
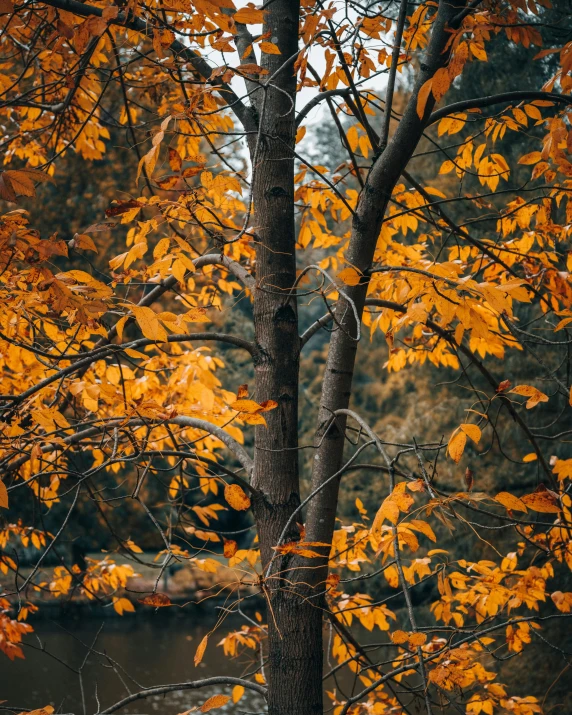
pixel 445 229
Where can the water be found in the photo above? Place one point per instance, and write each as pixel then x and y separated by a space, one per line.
pixel 152 650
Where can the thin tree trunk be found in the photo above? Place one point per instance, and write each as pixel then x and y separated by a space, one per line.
pixel 294 668
pixel 366 226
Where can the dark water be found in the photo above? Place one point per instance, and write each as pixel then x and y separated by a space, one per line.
pixel 151 650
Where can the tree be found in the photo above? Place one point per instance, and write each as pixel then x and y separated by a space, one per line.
pixel 104 390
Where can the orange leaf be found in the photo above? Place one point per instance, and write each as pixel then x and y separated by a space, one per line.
pixel 456 446
pixel 417 639
pixel 249 15
pixel 399 637
pixel 542 500
pixel 422 98
pixel 510 502
pixel 441 83
pixel 472 431
pixel 237 693
pixel 350 276
pixel 533 158
pixel 217 701
pixel 3 495
pixel 201 650
pixel 535 396
pixel 236 497
pixel 270 48
pixel 230 548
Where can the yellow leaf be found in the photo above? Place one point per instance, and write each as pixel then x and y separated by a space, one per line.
pixel 300 134
pixel 472 431
pixel 478 51
pixel 123 605
pixel 201 650
pixel 237 693
pixel 149 323
pixel 456 446
pixel 422 98
pixel 270 48
pixel 3 495
pixel 236 497
pixel 217 701
pixel 533 158
pixel 120 325
pixel 534 395
pixel 388 510
pixel 350 276
pixel 249 406
pixel 530 457
pixel 510 502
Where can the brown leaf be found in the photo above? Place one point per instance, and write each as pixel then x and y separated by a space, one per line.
pixel 251 68
pixel 158 600
pixel 502 386
pixel 175 161
pixel 230 548
pixel 64 30
pixel 110 13
pixel 101 226
pixel 122 207
pixel 192 171
pixel 6 7
pixel 20 182
pixel 469 479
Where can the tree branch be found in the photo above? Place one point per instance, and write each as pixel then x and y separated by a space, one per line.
pixel 189 685
pixel 482 102
pixel 242 112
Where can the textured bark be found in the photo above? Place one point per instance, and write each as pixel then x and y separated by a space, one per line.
pixel 294 670
pixel 336 389
pixel 293 587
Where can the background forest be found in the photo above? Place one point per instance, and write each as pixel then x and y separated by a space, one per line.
pixel 400 399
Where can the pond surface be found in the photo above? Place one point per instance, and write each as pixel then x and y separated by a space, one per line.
pixel 150 649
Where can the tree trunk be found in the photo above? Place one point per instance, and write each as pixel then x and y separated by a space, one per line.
pixel 294 670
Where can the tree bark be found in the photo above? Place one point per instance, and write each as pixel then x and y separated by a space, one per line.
pixel 366 226
pixel 294 670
